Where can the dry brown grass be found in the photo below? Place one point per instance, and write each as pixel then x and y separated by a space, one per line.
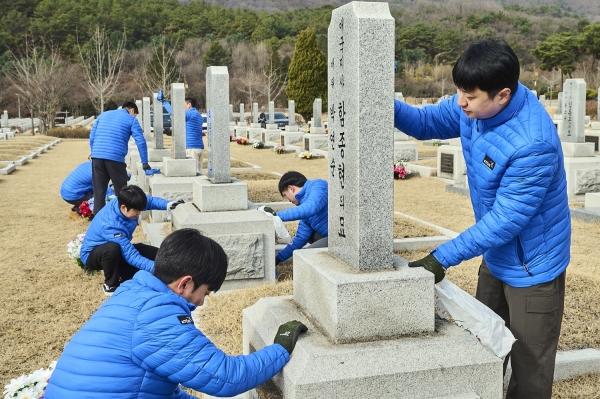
pixel 432 163
pixel 46 298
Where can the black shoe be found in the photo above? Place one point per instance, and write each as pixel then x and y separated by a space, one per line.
pixel 108 291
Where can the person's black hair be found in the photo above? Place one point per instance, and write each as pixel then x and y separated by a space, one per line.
pixel 192 102
pixel 487 65
pixel 291 178
pixel 132 197
pixel 186 252
pixel 132 105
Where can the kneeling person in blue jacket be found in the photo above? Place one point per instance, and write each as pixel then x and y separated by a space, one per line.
pixel 310 198
pixel 107 244
pixel 142 342
pixel 77 186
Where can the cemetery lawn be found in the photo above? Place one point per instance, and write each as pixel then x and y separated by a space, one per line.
pixel 46 298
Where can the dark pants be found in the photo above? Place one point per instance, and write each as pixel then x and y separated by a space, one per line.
pixel 103 171
pixel 78 202
pixel 316 240
pixel 534 316
pixel 108 257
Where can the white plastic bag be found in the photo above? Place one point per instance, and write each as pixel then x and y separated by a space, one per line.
pixel 282 236
pixel 475 317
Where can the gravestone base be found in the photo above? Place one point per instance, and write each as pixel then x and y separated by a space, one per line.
pixel 446 363
pixel 592 200
pixel 351 306
pixel 400 136
pixel 577 150
pixel 315 141
pixel 288 138
pixel 292 129
pixel 317 130
pixel 271 135
pixel 593 136
pixel 451 163
pixel 213 197
pixel 248 238
pixel 185 167
pixel 241 131
pixel 254 133
pixel 406 151
pixel 142 178
pixel 583 176
pixel 171 188
pixel 155 155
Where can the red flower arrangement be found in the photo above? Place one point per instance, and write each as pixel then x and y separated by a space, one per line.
pixel 84 210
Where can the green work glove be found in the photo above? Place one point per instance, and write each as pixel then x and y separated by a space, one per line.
pixel 288 333
pixel 270 210
pixel 431 264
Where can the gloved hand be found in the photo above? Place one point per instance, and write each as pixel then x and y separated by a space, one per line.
pixel 160 97
pixel 173 204
pixel 431 264
pixel 269 210
pixel 288 333
pixel 277 261
pixel 146 166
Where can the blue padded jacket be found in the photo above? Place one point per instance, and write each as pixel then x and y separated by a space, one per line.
pixel 312 212
pixel 517 182
pixel 142 343
pixel 78 183
pixel 110 135
pixel 110 225
pixel 193 129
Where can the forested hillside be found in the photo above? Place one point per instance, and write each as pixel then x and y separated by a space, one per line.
pixel 166 40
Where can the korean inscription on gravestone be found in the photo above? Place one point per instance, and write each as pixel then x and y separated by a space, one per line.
pixel 446 163
pixel 336 136
pixel 210 127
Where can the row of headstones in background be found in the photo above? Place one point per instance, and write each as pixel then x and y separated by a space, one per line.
pixel 357 292
pixel 71 121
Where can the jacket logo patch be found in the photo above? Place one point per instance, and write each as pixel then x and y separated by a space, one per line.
pixel 185 320
pixel 118 235
pixel 489 162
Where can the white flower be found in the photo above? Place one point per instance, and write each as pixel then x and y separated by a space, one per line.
pixel 74 247
pixel 14 385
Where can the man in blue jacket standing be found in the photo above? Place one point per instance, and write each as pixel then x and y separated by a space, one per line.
pixel 517 183
pixel 310 198
pixel 142 342
pixel 193 133
pixel 109 139
pixel 107 244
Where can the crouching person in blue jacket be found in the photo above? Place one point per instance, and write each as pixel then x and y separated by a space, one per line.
pixel 142 342
pixel 310 198
pixel 107 244
pixel 77 186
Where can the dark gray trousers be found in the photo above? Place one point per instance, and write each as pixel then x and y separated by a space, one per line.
pixel 534 316
pixel 104 171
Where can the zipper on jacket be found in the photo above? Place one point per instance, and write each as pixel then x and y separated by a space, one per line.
pixel 521 255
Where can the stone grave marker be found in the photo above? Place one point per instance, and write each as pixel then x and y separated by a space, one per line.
pixel 146 118
pixel 158 122
pixel 217 99
pixel 140 115
pixel 178 119
pixel 255 113
pixel 573 125
pixel 317 112
pixel 560 103
pixel 292 113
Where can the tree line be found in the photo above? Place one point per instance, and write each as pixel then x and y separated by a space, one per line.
pixel 102 52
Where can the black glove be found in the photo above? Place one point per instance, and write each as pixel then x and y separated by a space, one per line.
pixel 146 166
pixel 270 210
pixel 173 204
pixel 277 261
pixel 431 264
pixel 288 333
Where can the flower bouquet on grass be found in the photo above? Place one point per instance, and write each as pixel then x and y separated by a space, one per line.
pixel 280 150
pixel 400 171
pixel 242 141
pixel 305 155
pixel 258 144
pixel 85 209
pixel 30 386
pixel 74 249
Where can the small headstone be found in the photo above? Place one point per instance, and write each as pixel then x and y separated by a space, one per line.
pixel 572 130
pixel 360 148
pixel 178 119
pixel 317 112
pixel 543 99
pixel 146 118
pixel 140 115
pixel 255 113
pixel 158 122
pixel 242 121
pixel 271 112
pixel 560 103
pixel 292 112
pixel 5 119
pixel 217 99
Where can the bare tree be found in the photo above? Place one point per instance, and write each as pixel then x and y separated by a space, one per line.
pixel 275 78
pixel 158 68
pixel 101 63
pixel 250 84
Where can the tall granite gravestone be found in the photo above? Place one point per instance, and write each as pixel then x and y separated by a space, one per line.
pixel 5 119
pixel 292 114
pixel 291 134
pixel 317 112
pixel 358 299
pixel 146 118
pixel 315 139
pixel 254 132
pixel 254 112
pixel 220 204
pixel 241 130
pixel 581 166
pixel 158 123
pixel 271 133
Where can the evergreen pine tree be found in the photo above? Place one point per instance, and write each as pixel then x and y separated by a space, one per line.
pixel 307 75
pixel 216 56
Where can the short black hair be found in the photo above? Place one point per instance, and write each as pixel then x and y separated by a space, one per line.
pixel 186 252
pixel 132 105
pixel 192 101
pixel 291 178
pixel 133 197
pixel 487 65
